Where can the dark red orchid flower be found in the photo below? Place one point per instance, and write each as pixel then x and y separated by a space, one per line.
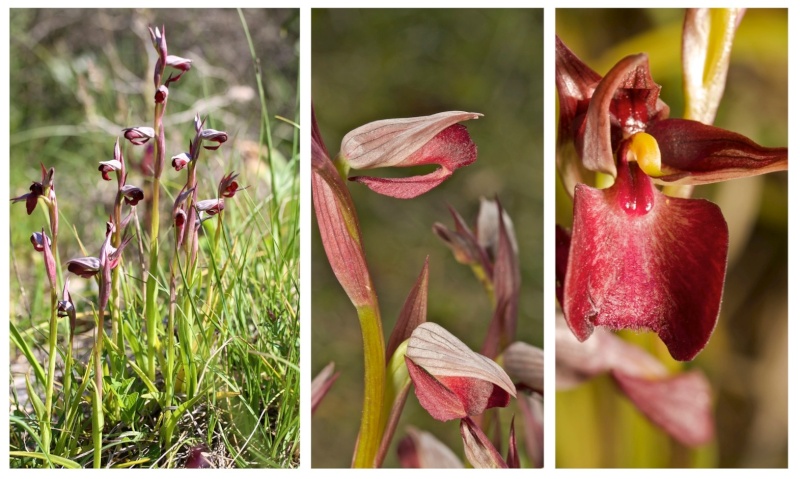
pixel 116 164
pixel 180 161
pixel 131 194
pixel 139 135
pixel 214 136
pixel 43 188
pixel 210 206
pixel 427 140
pixel 178 63
pixel 228 186
pixel 639 259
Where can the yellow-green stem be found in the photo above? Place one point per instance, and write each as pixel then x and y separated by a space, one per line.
pixel 97 406
pixel 51 372
pixel 169 373
pixel 370 431
pixel 150 304
pixel 189 243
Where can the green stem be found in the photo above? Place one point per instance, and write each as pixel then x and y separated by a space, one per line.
pixel 189 243
pixel 44 424
pixel 68 365
pixel 97 406
pixel 151 312
pixel 370 431
pixel 169 373
pixel 150 304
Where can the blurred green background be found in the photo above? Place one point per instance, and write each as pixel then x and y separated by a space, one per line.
pixel 376 64
pixel 79 76
pixel 746 358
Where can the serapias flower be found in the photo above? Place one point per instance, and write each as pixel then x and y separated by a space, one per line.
pixel 211 206
pixel 450 380
pixel 228 186
pixel 117 164
pixel 85 267
pixel 131 194
pixel 138 135
pixel 214 136
pixel 428 140
pixel 108 259
pixel 180 161
pixel 639 259
pixel 38 189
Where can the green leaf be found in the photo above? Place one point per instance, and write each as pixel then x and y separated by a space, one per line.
pixel 23 346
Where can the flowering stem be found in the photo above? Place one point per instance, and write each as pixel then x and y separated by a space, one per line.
pixel 116 336
pixel 68 363
pixel 190 246
pixel 169 373
pixel 97 406
pixel 150 304
pixel 370 431
pixel 51 371
pixel 53 339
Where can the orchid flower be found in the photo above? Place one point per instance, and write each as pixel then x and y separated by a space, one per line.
pixel 450 380
pixel 228 186
pixel 43 189
pixel 637 258
pixel 138 135
pixel 427 140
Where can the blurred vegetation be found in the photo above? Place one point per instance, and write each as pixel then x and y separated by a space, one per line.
pixel 78 77
pixel 746 358
pixel 369 65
